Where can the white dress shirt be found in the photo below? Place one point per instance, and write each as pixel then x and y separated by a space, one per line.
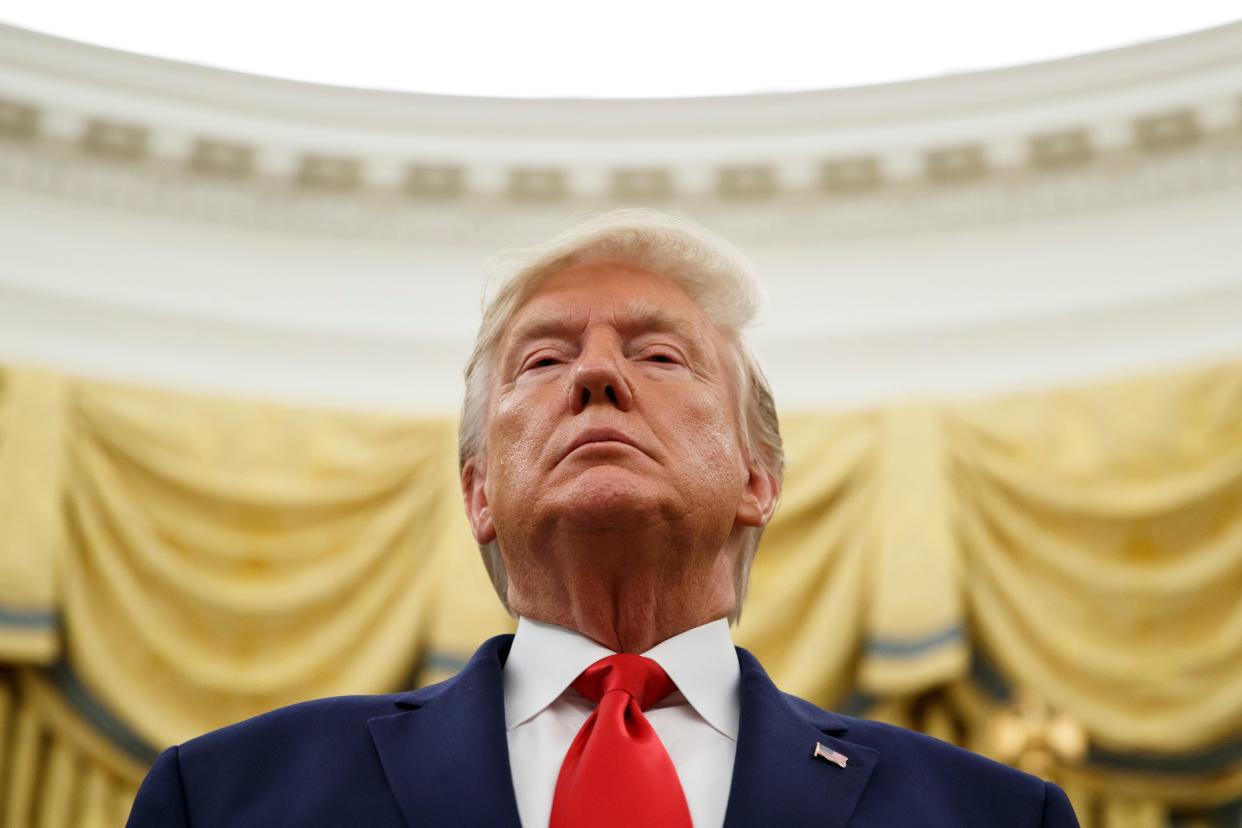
pixel 697 723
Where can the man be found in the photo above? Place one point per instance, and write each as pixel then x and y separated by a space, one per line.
pixel 620 457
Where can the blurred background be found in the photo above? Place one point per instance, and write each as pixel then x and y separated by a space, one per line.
pixel 242 252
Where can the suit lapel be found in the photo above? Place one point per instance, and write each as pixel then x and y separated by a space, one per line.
pixel 446 755
pixel 777 780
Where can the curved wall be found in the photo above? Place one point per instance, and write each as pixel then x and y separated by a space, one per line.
pixel 972 234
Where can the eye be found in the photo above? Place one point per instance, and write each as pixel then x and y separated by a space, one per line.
pixel 661 357
pixel 541 362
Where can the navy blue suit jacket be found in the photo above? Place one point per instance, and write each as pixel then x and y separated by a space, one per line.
pixel 439 757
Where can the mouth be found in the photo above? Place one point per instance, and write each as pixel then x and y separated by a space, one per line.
pixel 601 437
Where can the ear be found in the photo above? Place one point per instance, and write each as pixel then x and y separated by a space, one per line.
pixel 758 497
pixel 473 492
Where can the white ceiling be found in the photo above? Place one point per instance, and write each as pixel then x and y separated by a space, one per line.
pixel 644 48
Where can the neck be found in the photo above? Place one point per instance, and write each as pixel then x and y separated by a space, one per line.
pixel 629 607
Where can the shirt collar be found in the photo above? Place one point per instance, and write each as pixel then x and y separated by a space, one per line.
pixel 545 658
pixel 703 664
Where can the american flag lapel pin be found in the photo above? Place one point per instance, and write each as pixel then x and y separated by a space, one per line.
pixel 838 759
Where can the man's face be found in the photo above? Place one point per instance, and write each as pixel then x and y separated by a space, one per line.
pixel 612 409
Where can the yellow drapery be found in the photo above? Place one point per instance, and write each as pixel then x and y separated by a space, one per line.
pixel 170 563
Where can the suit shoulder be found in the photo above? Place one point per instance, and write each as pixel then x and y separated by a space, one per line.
pixel 881 735
pixel 311 763
pixel 921 746
pixel 931 763
pixel 319 719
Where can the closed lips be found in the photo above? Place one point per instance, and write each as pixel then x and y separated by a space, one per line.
pixel 599 435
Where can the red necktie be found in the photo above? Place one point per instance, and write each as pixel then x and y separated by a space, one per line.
pixel 617 772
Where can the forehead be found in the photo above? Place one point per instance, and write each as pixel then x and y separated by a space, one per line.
pixel 625 295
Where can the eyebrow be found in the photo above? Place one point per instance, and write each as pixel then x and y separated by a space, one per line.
pixel 645 315
pixel 542 324
pixel 639 315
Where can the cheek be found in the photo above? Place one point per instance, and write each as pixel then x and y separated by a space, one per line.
pixel 516 434
pixel 709 430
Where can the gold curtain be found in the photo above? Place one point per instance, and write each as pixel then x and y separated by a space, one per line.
pixel 1055 579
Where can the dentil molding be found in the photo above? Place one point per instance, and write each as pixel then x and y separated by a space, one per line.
pixel 1153 121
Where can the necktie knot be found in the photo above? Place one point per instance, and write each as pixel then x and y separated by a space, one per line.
pixel 638 676
pixel 617 774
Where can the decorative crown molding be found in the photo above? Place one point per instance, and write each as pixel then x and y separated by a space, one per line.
pixel 145 133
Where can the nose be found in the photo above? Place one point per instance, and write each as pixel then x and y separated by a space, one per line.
pixel 599 377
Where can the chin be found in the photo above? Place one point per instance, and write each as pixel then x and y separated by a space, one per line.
pixel 608 497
